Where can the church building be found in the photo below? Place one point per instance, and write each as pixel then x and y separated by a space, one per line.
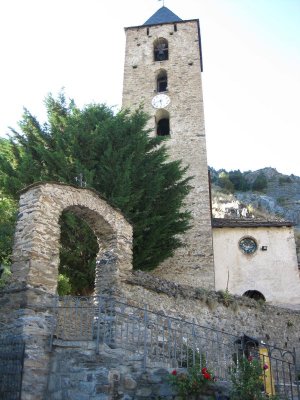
pixel 162 72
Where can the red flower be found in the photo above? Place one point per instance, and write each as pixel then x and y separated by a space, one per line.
pixel 174 372
pixel 250 358
pixel 207 375
pixel 203 370
pixel 265 367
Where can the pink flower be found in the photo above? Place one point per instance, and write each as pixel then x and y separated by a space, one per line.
pixel 265 367
pixel 250 358
pixel 174 372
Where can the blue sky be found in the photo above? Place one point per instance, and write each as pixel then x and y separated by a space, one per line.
pixel 251 78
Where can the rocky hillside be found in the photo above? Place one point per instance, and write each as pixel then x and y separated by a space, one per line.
pixel 266 194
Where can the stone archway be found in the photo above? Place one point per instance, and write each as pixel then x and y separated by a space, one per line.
pixel 36 247
pixel 35 266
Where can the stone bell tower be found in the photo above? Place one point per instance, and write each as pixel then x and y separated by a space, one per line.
pixel 163 65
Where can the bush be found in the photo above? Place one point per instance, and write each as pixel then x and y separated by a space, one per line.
pixel 247 380
pixel 284 179
pixel 63 285
pixel 192 382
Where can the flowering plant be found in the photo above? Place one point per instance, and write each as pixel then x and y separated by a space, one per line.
pixel 247 380
pixel 192 381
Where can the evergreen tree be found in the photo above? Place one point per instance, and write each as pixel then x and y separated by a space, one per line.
pixel 239 181
pixel 115 156
pixel 224 182
pixel 8 210
pixel 260 183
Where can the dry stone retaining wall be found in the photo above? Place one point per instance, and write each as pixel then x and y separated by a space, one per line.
pixel 78 373
pixel 238 315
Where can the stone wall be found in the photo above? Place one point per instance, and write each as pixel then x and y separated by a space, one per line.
pixel 28 300
pixel 193 263
pixel 26 304
pixel 238 315
pixel 78 373
pixel 37 236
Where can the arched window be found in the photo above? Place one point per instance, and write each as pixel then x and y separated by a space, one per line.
pixel 254 294
pixel 162 81
pixel 162 123
pixel 161 51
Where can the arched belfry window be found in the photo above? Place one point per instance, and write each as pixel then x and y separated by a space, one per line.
pixel 161 50
pixel 162 81
pixel 162 123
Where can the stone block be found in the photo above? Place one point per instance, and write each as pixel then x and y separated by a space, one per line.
pixel 54 383
pixel 126 397
pixel 58 395
pixel 129 382
pixel 101 396
pixel 166 390
pixel 102 388
pixel 86 387
pixel 76 395
pixel 144 392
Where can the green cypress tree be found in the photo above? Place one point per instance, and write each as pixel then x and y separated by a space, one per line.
pixel 116 156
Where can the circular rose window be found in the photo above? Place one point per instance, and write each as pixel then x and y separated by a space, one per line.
pixel 248 245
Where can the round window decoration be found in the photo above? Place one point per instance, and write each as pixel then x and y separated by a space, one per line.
pixel 248 245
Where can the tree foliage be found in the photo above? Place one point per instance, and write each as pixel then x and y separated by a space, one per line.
pixel 239 181
pixel 115 156
pixel 224 182
pixel 8 209
pixel 260 183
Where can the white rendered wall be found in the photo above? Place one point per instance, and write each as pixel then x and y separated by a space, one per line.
pixel 274 272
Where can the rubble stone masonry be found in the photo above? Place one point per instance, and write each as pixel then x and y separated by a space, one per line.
pixel 193 263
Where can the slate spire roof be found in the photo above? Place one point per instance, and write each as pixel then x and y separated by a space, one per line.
pixel 162 16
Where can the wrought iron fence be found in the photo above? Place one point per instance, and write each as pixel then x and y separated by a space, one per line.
pixel 11 367
pixel 157 338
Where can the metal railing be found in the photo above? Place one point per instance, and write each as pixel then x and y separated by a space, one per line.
pixel 11 366
pixel 156 338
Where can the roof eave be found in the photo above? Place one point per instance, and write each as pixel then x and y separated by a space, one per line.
pixel 162 23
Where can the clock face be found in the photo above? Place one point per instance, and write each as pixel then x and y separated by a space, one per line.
pixel 160 101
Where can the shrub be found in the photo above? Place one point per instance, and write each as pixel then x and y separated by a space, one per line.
pixel 192 382
pixel 63 285
pixel 284 179
pixel 247 380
